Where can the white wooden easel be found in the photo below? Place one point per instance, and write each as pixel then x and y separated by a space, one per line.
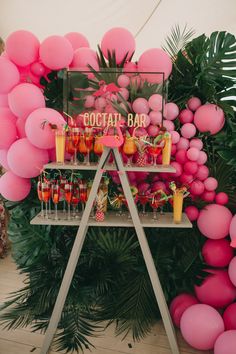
pixel 79 241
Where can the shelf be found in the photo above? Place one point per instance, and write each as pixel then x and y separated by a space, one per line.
pixel 109 167
pixel 113 220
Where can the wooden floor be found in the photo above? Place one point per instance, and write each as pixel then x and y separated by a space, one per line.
pixel 22 341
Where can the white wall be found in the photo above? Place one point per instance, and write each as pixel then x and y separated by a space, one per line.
pixel 94 17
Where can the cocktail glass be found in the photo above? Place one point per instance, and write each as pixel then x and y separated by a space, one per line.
pixel 75 136
pixel 55 197
pixel 75 200
pixel 39 191
pixel 98 147
pixel 178 197
pixel 69 146
pixel 89 144
pixel 154 203
pixel 63 182
pixel 154 151
pixel 46 194
pixel 143 200
pixel 82 146
pixel 83 194
pixel 68 197
pixel 129 148
pixel 60 145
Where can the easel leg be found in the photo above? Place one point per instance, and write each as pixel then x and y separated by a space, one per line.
pixel 73 260
pixel 170 331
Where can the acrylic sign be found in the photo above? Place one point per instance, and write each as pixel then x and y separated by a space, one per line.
pixel 98 119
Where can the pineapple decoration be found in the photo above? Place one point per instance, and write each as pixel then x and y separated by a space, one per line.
pixel 100 202
pixel 142 156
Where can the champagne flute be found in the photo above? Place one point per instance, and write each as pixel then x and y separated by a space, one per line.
pixel 40 197
pixel 56 197
pixel 98 147
pixel 89 144
pixel 154 202
pixel 46 194
pixel 62 183
pixel 68 197
pixel 83 194
pixel 75 199
pixel 82 146
pixel 143 200
pixel 75 136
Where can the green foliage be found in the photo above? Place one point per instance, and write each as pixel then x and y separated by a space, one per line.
pixel 53 90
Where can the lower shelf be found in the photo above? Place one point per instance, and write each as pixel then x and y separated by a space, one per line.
pixel 114 220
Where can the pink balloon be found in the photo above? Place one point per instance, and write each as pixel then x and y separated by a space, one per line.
pixel 192 212
pixel 155 102
pixel 210 184
pixel 194 103
pixel 217 253
pixel 186 116
pixel 193 154
pixel 3 100
pixel 26 160
pixel 175 137
pixel 209 118
pixel 173 149
pixel 8 132
pixel 190 167
pixel 221 198
pixel 202 173
pixel 197 187
pixel 178 169
pixel 183 144
pixel 9 74
pixel 214 221
pixel 179 304
pixel 123 80
pixel 232 271
pixel 152 130
pixel 226 343
pixel 188 130
pixel 100 103
pixel 196 143
pixel 6 113
pixel 3 159
pixel 159 185
pixel 89 101
pixel 14 188
pixel 186 178
pixel 77 40
pixel 202 158
pixel 124 92
pixel 229 317
pixel 232 231
pixel 56 52
pixel 156 60
pixel 22 47
pixel 216 289
pixel 140 105
pixel 20 127
pixel 141 176
pixel 171 111
pixel 42 136
pixel 37 69
pixel 155 117
pixel 209 197
pixel 169 125
pixel 200 325
pixel 84 57
pixel 119 40
pixel 181 156
pixel 24 99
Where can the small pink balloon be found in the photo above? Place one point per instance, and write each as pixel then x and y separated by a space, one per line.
pixel 226 343
pixel 202 173
pixel 140 105
pixel 8 133
pixel 181 156
pixel 229 317
pixel 209 118
pixel 84 57
pixel 77 40
pixel 155 117
pixel 193 154
pixel 89 101
pixel 171 111
pixel 56 52
pixel 191 167
pixel 214 221
pixel 186 116
pixel 155 102
pixel 232 231
pixel 26 160
pixel 192 212
pixel 200 325
pixel 232 271
pixel 194 103
pixel 202 158
pixel 39 133
pixel 152 130
pixel 3 100
pixel 20 127
pixel 14 188
pixel 208 197
pixel 216 289
pixel 196 143
pixel 141 176
pixel 37 69
pixel 178 169
pixel 169 125
pixel 221 198
pixel 186 178
pixel 183 144
pixel 210 184
pixel 217 253
pixel 179 304
pixel 197 187
pixel 9 74
pixel 175 137
pixel 6 113
pixel 155 60
pixel 100 103
pixel 188 130
pixel 24 99
pixel 22 47
pixel 119 40
pixel 3 159
pixel 123 80
pixel 124 92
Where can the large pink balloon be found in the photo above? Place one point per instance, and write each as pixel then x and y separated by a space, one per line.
pixel 226 343
pixel 22 47
pixel 26 160
pixel 84 57
pixel 217 253
pixel 229 317
pixel 216 290
pixel 119 40
pixel 39 134
pixel 56 52
pixel 77 40
pixel 156 60
pixel 8 132
pixel 200 326
pixel 179 304
pixel 232 271
pixel 171 111
pixel 3 159
pixel 209 118
pixel 9 74
pixel 24 99
pixel 214 221
pixel 14 188
pixel 7 113
pixel 232 231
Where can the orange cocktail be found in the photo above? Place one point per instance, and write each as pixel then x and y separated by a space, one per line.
pixel 98 146
pixel 178 198
pixel 60 145
pixel 129 148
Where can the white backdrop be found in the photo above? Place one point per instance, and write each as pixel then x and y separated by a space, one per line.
pixel 94 17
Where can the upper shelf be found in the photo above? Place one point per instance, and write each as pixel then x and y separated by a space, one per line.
pixel 109 167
